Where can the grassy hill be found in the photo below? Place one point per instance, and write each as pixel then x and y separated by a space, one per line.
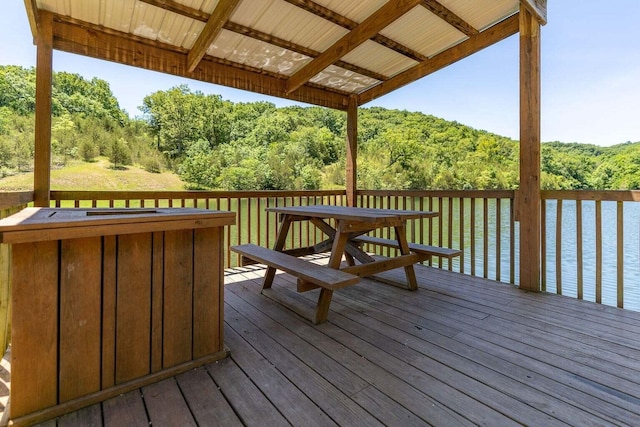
pixel 97 176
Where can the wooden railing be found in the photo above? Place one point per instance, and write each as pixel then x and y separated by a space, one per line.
pixel 590 243
pixel 10 203
pixel 590 257
pixel 480 223
pixel 253 225
pixel 484 219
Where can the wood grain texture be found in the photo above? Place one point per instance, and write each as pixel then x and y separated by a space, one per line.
pixel 208 290
pixel 378 20
pixel 530 218
pixel 157 301
pixel 178 298
pixel 80 318
pixel 98 42
pixel 351 167
pixel 166 405
pixel 221 13
pixel 34 358
pixel 109 315
pixel 44 77
pixel 133 321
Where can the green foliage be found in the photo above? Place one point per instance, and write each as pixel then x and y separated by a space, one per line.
pixel 119 153
pixel 213 143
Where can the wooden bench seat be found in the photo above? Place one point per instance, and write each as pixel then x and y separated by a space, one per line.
pixel 306 271
pixel 415 247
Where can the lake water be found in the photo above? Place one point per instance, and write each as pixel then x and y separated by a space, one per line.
pixel 487 264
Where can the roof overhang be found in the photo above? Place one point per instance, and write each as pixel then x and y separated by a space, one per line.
pixel 321 52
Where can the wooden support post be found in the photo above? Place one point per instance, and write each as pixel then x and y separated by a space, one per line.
pixel 529 193
pixel 352 151
pixel 44 68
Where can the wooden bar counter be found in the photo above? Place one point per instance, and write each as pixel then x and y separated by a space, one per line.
pixel 108 300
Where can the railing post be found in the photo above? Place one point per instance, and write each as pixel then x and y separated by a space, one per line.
pixel 529 193
pixel 44 65
pixel 352 151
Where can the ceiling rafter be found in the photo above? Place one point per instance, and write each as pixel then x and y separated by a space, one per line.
pixel 285 44
pixel 344 22
pixel 220 15
pixel 483 39
pixel 378 20
pixel 451 18
pixel 180 9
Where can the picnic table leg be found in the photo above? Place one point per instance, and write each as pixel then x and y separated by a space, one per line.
pixel 409 271
pixel 279 245
pixel 324 300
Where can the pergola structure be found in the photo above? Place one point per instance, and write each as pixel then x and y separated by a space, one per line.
pixel 332 53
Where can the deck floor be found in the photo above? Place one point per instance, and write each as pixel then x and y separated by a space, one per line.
pixel 459 351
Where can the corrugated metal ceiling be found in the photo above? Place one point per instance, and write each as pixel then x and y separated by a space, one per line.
pixel 282 37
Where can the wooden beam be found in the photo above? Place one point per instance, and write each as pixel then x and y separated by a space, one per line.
pixel 180 9
pixel 451 18
pixel 44 76
pixel 331 16
pixel 198 15
pixel 538 8
pixel 381 18
pixel 32 16
pixel 285 44
pixel 472 45
pixel 529 192
pixel 220 15
pixel 111 45
pixel 351 169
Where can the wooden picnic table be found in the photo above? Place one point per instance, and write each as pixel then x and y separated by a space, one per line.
pixel 344 226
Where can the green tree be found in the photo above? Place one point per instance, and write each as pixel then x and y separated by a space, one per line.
pixel 119 154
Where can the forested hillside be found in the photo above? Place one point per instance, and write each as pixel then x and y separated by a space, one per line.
pixel 213 143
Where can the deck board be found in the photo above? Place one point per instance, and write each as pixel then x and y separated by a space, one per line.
pixel 459 351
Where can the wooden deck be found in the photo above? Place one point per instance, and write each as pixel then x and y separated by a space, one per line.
pixel 459 351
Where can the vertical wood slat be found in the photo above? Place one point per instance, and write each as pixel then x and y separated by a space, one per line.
pixel 133 306
pixel 461 232
pixel 80 319
pixel 543 246
pixel 473 236
pixel 157 299
pixel 485 237
pixel 559 247
pixel 450 231
pixel 598 251
pixel 440 227
pixel 178 297
pixel 498 237
pixel 351 171
pixel 109 279
pixel 34 380
pixel 512 243
pixel 579 263
pixel 208 287
pixel 620 254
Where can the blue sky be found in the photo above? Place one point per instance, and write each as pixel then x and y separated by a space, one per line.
pixel 590 76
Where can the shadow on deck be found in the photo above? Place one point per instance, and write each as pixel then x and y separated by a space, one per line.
pixel 459 351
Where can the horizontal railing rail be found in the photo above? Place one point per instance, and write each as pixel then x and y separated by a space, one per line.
pixel 590 245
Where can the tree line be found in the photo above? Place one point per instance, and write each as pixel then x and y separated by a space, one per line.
pixel 212 143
